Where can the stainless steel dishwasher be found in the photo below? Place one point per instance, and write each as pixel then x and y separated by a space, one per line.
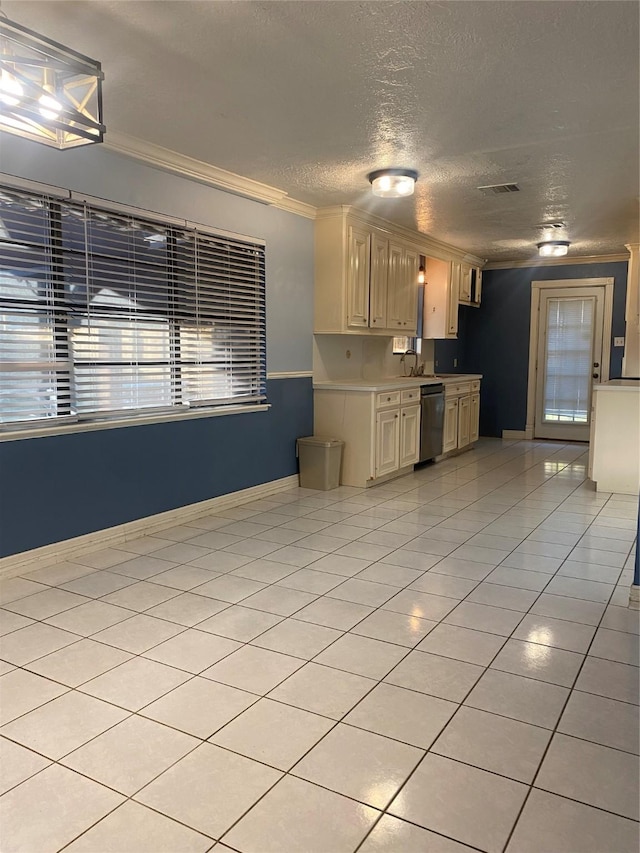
pixel 431 421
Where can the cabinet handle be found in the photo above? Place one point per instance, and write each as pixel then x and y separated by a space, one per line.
pixel 404 414
pixel 388 399
pixel 395 416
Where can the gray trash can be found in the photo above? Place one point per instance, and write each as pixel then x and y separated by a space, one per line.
pixel 320 460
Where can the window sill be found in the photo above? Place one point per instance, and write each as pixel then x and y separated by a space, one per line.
pixel 91 426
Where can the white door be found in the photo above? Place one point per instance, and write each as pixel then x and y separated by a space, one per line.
pixel 569 361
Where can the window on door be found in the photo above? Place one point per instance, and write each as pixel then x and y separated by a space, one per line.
pixel 567 369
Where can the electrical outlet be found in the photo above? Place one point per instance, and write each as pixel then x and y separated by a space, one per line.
pixel 618 342
pixel 455 362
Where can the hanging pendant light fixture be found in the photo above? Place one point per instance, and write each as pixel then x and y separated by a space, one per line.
pixel 48 92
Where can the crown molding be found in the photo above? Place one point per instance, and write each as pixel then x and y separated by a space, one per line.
pixel 556 262
pixel 205 173
pixel 423 242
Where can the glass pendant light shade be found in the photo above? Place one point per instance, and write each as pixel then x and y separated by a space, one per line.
pixel 48 92
pixel 393 183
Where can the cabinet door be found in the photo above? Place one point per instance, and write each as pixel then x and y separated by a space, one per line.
pixel 411 264
pixel 465 284
pixel 379 282
pixel 452 302
pixel 409 435
pixel 464 421
pixel 358 277
pixel 474 417
pixel 450 436
pixel 396 296
pixel 387 442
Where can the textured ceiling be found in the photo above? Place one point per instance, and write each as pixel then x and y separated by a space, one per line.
pixel 311 96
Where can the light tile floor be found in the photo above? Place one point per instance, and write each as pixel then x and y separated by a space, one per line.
pixel 442 663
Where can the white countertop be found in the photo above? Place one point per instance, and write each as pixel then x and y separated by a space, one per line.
pixel 390 383
pixel 619 385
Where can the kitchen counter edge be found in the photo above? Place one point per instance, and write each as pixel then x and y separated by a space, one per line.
pixel 391 384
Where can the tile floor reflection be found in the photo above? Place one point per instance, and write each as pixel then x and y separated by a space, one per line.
pixel 443 663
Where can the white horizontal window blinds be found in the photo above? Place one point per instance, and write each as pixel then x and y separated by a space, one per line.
pixel 105 314
pixel 221 337
pixel 119 287
pixel 568 360
pixel 34 357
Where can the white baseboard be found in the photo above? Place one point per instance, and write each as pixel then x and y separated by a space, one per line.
pixel 38 558
pixel 515 434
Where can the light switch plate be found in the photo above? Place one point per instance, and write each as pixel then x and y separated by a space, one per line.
pixel 618 342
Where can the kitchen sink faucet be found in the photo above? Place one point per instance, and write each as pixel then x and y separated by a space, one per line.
pixel 415 370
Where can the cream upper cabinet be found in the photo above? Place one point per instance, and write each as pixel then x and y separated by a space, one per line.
pixel 411 264
pixel 453 299
pixel 396 297
pixel 359 253
pixel 470 285
pixel 365 277
pixel 378 284
pixel 464 294
pixel 440 314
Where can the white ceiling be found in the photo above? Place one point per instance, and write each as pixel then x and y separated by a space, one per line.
pixel 311 96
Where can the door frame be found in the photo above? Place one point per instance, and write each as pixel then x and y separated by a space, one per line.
pixel 562 284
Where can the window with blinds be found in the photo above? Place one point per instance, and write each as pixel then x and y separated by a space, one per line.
pixel 106 315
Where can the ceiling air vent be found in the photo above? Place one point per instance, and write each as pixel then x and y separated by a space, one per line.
pixel 499 189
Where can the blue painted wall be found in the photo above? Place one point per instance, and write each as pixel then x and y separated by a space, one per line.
pixel 494 339
pixel 62 486
pixel 57 487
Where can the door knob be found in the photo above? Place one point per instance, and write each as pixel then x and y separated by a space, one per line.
pixel 596 364
pixel 595 375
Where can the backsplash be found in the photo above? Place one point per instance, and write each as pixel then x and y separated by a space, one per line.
pixel 362 357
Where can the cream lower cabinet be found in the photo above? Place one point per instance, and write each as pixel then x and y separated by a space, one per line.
pixel 474 417
pixel 381 431
pixel 464 421
pixel 397 439
pixel 409 435
pixel 450 430
pixel 387 442
pixel 461 415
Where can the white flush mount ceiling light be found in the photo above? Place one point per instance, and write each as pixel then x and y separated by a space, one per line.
pixel 393 183
pixel 48 92
pixel 553 248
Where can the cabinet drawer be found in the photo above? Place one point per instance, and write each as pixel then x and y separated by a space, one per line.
pixel 410 396
pixel 475 385
pixel 387 398
pixel 457 389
